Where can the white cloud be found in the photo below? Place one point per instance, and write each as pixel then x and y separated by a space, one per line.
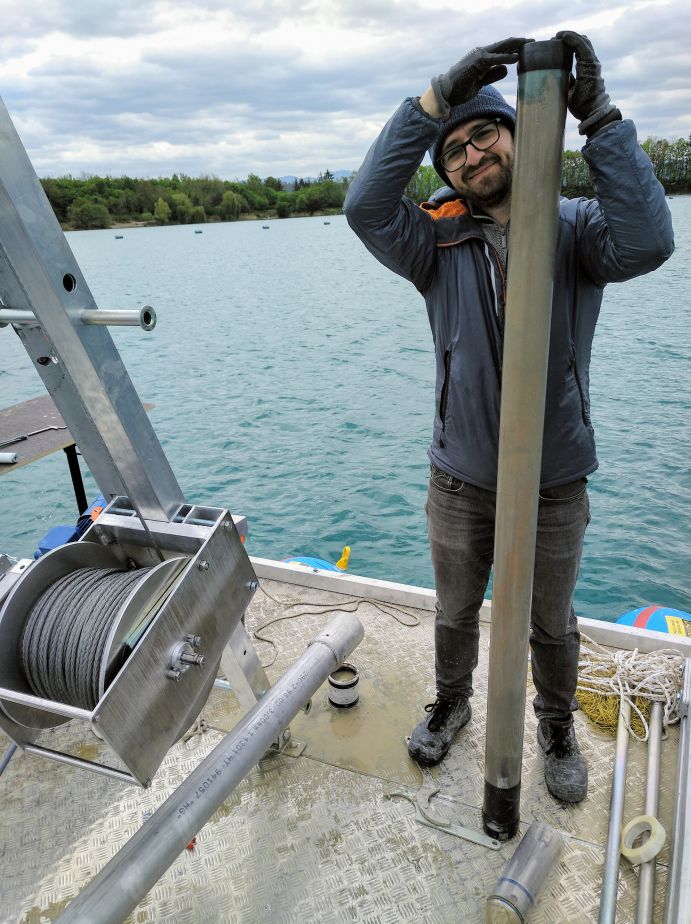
pixel 288 86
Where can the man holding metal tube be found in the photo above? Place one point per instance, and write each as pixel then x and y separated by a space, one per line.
pixel 455 250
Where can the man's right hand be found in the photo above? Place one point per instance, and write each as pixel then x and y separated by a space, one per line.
pixel 479 67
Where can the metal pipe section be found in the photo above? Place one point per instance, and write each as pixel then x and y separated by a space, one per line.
pixel 646 875
pixel 608 894
pixel 679 874
pixel 137 317
pixel 542 89
pixel 121 775
pixel 46 705
pixel 7 757
pixel 111 317
pixel 132 872
pixel 17 316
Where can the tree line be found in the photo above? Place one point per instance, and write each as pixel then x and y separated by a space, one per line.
pixel 99 202
pixel 671 162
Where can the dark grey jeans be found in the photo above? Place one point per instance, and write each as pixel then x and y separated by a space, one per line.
pixel 460 523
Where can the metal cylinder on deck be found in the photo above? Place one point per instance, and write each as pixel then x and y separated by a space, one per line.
pixel 542 90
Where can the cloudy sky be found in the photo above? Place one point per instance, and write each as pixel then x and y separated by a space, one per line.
pixel 278 87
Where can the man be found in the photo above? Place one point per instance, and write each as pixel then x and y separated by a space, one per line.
pixel 455 250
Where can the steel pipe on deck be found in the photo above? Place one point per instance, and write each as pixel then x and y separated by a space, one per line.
pixel 646 874
pixel 610 873
pixel 132 872
pixel 543 70
pixel 679 875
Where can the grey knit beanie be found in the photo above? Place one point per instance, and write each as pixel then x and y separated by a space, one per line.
pixel 488 102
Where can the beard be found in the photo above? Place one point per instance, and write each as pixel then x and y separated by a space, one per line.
pixel 492 188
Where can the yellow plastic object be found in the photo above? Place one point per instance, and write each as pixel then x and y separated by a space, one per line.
pixel 342 562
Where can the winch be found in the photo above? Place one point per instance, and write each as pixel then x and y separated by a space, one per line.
pixel 123 629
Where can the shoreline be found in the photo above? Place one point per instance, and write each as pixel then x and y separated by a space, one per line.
pixel 129 225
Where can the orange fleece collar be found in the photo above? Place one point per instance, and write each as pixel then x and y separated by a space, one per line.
pixel 453 209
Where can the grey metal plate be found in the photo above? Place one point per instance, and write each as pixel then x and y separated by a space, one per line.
pixel 143 711
pixel 314 839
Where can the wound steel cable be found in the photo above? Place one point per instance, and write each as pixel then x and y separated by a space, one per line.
pixel 64 639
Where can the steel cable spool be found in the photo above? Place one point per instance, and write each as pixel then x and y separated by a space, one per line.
pixel 65 635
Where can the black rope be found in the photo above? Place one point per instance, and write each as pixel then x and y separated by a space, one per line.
pixel 64 638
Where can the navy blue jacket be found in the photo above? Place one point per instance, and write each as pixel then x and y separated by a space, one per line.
pixel 625 232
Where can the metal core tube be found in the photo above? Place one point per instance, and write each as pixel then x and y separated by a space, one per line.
pixel 542 88
pixel 608 893
pixel 646 875
pixel 132 872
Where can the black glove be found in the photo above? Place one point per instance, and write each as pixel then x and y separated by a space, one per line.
pixel 480 67
pixel 588 100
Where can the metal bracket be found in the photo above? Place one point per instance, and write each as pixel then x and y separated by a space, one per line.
pixel 287 746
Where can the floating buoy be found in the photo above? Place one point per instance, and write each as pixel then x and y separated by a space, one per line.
pixel 321 564
pixel 658 619
pixel 342 562
pixel 316 564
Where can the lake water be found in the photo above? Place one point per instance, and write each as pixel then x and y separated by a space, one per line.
pixel 292 378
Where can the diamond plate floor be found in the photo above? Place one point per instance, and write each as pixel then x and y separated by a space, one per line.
pixel 315 839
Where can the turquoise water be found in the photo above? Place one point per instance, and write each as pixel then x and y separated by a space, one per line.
pixel 292 378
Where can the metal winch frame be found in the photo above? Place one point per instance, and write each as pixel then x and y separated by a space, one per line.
pixel 186 617
pixel 177 622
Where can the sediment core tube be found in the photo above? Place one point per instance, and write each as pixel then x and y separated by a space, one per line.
pixel 543 75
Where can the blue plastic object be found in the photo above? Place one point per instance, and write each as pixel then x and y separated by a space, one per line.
pixel 58 535
pixel 61 535
pixel 319 563
pixel 658 619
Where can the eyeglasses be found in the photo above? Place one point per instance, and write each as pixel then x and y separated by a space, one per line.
pixel 481 139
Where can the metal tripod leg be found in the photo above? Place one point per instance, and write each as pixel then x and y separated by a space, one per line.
pixel 243 669
pixel 247 678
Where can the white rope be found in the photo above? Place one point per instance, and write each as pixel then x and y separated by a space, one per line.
pixel 656 676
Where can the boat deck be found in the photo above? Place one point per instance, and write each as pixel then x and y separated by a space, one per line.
pixel 321 837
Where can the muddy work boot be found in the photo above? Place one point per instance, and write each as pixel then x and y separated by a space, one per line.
pixel 432 738
pixel 566 773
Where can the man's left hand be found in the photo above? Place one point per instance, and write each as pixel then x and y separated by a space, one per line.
pixel 588 100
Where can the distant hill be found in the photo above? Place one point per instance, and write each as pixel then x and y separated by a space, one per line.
pixel 291 179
